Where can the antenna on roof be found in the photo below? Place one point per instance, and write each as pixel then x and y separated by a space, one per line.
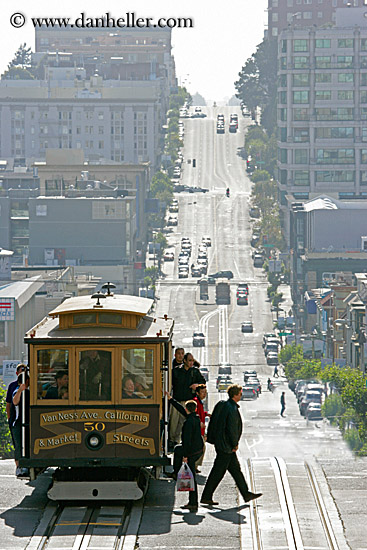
pixel 97 296
pixel 109 286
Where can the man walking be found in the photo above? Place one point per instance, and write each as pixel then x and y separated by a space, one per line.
pixel 282 402
pixel 227 435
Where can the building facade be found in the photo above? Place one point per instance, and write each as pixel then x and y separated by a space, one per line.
pixel 304 13
pixel 322 113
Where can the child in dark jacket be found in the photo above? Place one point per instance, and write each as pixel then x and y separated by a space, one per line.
pixel 191 447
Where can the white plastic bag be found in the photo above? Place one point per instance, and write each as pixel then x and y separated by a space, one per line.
pixel 185 479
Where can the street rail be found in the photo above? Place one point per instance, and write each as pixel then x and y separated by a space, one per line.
pixel 296 510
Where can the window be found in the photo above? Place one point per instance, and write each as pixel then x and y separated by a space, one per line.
pixel 105 209
pixel 364 44
pixel 307 15
pixel 301 79
pixel 335 156
pixel 300 156
pixel 341 113
pixel 322 43
pixel 363 97
pixel 300 62
pixel 301 177
pixel 53 374
pixel 282 134
pixel 364 156
pixel 363 61
pixel 364 133
pixel 95 375
pixel 283 115
pixel 2 333
pixel 282 155
pixel 274 17
pixel 322 78
pixel 282 97
pixel 284 46
pixel 320 14
pixel 100 116
pixel 345 43
pixel 41 210
pixel 283 63
pixel 363 177
pixel 300 114
pixel 330 176
pixel 290 3
pixel 283 81
pixel 301 134
pixel 363 79
pixel 346 77
pixel 274 31
pixel 334 133
pixel 300 97
pixel 345 94
pixel 323 61
pixel 323 94
pixel 137 373
pixel 274 3
pixel 300 46
pixel 345 61
pixel 307 1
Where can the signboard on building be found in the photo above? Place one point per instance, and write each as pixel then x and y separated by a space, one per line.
pixel 7 309
pixel 5 264
pixel 9 370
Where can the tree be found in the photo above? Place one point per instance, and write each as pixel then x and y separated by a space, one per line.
pixel 17 73
pixel 161 187
pixel 22 57
pixel 257 83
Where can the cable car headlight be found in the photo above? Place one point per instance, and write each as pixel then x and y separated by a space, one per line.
pixel 94 441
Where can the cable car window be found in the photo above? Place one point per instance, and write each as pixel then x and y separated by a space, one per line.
pixel 84 318
pixel 137 373
pixel 95 375
pixel 53 374
pixel 110 318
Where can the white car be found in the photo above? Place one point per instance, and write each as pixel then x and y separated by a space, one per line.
pixel 168 256
pixel 183 260
pixel 206 240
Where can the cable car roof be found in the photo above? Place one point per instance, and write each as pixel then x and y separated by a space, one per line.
pixel 121 303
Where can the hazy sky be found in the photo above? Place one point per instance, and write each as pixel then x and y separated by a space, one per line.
pixel 208 57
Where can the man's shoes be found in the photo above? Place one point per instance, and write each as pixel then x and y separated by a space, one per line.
pixel 209 502
pixel 190 507
pixel 251 496
pixel 197 471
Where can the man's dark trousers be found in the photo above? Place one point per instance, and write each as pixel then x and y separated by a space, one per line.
pixel 222 463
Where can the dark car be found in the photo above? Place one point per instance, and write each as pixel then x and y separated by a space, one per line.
pixel 247 327
pixel 242 299
pixel 196 271
pixel 222 275
pixel 248 392
pixel 248 374
pixel 255 384
pixel 225 369
pixel 198 339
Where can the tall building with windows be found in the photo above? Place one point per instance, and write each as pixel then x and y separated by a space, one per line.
pixel 304 13
pixel 322 114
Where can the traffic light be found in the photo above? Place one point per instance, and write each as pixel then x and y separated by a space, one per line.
pixel 193 163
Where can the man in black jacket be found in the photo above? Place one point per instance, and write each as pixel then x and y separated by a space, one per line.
pixel 228 433
pixel 192 445
pixel 185 380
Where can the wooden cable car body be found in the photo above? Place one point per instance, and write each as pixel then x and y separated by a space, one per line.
pixel 98 373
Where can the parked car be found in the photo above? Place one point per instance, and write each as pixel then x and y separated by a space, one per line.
pixel 268 335
pixel 198 339
pixel 206 240
pixel 183 273
pixel 271 347
pixel 309 397
pixel 183 260
pixel 248 392
pixel 222 275
pixel 247 326
pixel 313 411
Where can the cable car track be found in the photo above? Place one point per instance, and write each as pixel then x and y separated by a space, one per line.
pixel 71 527
pixel 291 514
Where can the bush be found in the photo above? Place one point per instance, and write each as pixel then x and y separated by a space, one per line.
pixel 333 408
pixel 6 446
pixel 351 436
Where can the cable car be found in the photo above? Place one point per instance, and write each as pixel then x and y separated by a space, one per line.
pixel 98 370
